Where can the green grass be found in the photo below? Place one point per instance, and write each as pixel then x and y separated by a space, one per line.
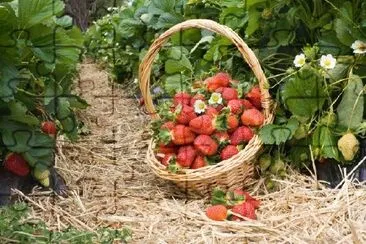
pixel 16 227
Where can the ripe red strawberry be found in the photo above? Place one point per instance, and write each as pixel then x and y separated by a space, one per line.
pixel 211 111
pixel 252 117
pixel 228 152
pixel 219 108
pixel 247 197
pixel 221 137
pixel 205 145
pixel 181 98
pixel 195 98
pixel 186 156
pixel 168 159
pixel 245 209
pixel 222 78
pixel 49 127
pixel 199 162
pixel 254 97
pixel 235 106
pixel 216 212
pixel 185 114
pixel 165 149
pixel 179 135
pixel 232 123
pixel 203 124
pixel 246 104
pixel 228 93
pixel 16 164
pixel 241 135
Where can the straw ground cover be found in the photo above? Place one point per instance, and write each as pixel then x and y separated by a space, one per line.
pixel 111 186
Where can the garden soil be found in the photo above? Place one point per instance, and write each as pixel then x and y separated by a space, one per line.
pixel 111 185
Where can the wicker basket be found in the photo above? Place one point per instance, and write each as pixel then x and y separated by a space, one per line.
pixel 228 174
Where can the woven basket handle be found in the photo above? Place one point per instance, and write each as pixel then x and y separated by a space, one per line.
pixel 247 53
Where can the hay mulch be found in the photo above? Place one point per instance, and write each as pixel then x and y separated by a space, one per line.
pixel 110 185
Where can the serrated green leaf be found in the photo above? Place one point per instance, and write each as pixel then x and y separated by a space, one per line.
pixel 278 134
pixel 351 108
pixel 325 140
pixel 303 93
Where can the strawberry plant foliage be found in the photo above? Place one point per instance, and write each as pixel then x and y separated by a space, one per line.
pixel 37 67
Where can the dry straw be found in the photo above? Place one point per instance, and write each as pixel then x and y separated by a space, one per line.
pixel 111 186
pixel 229 174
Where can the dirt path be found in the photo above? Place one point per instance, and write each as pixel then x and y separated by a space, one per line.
pixel 112 186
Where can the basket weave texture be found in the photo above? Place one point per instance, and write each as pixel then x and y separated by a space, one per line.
pixel 229 174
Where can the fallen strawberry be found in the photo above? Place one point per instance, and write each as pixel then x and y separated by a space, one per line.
pixel 16 164
pixel 252 117
pixel 240 194
pixel 254 97
pixel 181 98
pixel 49 127
pixel 205 145
pixel 186 156
pixel 245 209
pixel 216 212
pixel 241 135
pixel 179 135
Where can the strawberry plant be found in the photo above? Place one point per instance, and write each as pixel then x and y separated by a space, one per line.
pixel 40 49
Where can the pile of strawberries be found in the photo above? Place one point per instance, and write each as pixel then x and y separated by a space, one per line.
pixel 234 205
pixel 208 124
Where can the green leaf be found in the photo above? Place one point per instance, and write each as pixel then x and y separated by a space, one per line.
pixel 19 114
pixel 253 22
pixel 178 61
pixel 32 12
pixel 351 108
pixel 325 140
pixel 303 93
pixel 8 80
pixel 174 83
pixel 278 134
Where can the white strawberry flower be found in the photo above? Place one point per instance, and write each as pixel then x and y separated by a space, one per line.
pixel 359 47
pixel 299 60
pixel 199 106
pixel 328 61
pixel 215 98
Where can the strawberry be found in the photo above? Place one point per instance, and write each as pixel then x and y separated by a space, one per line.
pixel 241 135
pixel 247 197
pixel 252 117
pixel 219 108
pixel 232 123
pixel 221 137
pixel 246 104
pixel 228 152
pixel 16 164
pixel 186 156
pixel 222 78
pixel 141 101
pixel 184 114
pixel 228 93
pixel 206 124
pixel 49 127
pixel 245 209
pixel 195 98
pixel 211 111
pixel 349 146
pixel 168 159
pixel 254 97
pixel 179 135
pixel 205 145
pixel 236 106
pixel 181 98
pixel 199 162
pixel 216 212
pixel 165 149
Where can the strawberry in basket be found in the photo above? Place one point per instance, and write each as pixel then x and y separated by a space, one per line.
pixel 204 126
